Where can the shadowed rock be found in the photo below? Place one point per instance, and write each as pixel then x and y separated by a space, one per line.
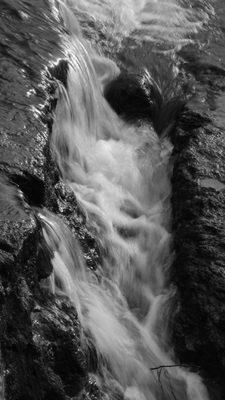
pixel 198 201
pixel 41 356
pixel 148 96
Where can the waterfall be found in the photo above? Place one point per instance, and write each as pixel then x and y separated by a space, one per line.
pixel 120 175
pixel 152 20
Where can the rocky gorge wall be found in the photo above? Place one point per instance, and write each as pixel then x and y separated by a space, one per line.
pixel 41 356
pixel 198 216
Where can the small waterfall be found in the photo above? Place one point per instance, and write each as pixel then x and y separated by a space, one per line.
pixel 152 20
pixel 120 175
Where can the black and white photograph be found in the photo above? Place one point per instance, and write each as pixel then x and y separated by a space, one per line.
pixel 112 199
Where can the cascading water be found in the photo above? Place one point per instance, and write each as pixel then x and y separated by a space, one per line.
pixel 120 175
pixel 152 20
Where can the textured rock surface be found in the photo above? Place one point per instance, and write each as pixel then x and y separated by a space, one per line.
pixel 199 215
pixel 198 272
pixel 41 356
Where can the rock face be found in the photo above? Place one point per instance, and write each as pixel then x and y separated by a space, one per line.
pixel 198 272
pixel 41 356
pixel 199 213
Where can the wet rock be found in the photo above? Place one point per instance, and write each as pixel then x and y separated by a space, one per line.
pixel 67 207
pixel 25 53
pixel 146 91
pixel 199 234
pixel 16 222
pixel 41 352
pixel 131 99
pixel 56 337
pixel 41 347
pixel 198 203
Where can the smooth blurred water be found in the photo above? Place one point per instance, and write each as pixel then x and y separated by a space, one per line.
pixel 120 175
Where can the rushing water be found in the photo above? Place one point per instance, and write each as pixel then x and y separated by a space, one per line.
pixel 120 175
pixel 152 20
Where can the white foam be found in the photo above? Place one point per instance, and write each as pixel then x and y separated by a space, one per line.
pixel 121 177
pixel 153 20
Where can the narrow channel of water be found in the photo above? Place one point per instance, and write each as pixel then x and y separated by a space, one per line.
pixel 120 175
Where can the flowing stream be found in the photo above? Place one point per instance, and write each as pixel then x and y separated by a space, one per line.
pixel 120 175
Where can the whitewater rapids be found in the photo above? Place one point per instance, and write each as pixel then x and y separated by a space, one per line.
pixel 120 175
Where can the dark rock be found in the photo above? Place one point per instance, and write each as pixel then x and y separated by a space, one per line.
pixel 131 98
pixel 146 90
pixel 67 207
pixel 199 236
pixel 41 348
pixel 41 352
pixel 25 53
pixel 31 186
pixel 198 201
